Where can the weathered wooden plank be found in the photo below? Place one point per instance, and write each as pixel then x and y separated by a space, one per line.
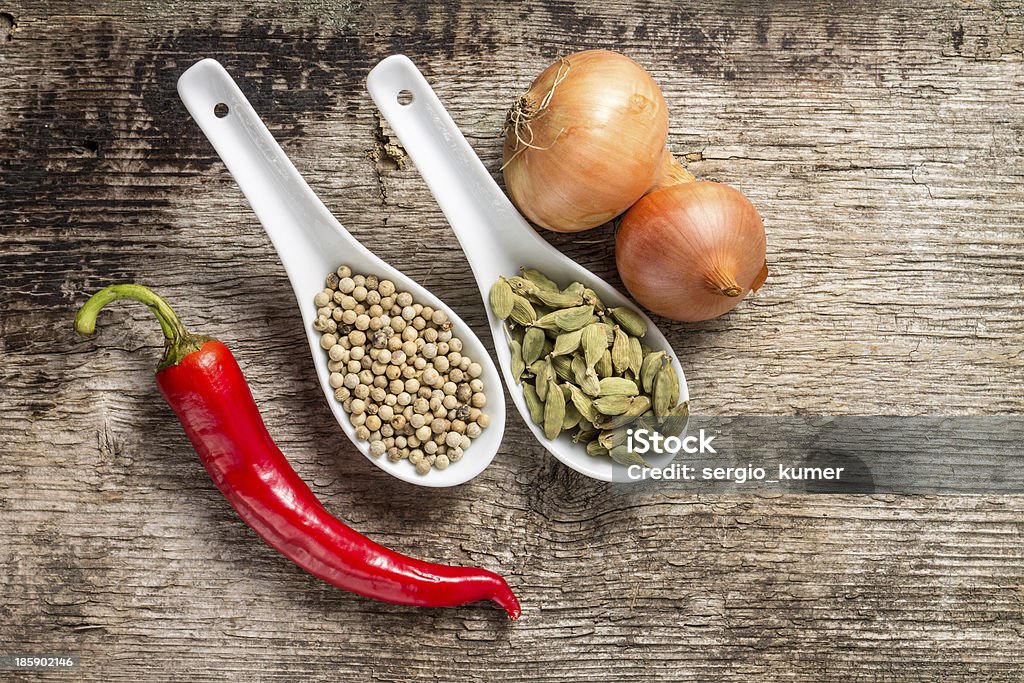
pixel 883 146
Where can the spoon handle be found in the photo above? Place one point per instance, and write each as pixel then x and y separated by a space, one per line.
pixel 295 219
pixel 482 217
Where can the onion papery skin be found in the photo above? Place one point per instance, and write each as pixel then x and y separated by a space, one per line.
pixel 596 147
pixel 691 251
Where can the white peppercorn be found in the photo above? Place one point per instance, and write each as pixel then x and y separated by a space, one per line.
pixel 398 371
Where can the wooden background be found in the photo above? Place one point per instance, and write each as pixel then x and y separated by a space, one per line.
pixel 883 145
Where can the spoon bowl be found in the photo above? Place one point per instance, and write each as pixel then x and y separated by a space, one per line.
pixel 312 243
pixel 497 240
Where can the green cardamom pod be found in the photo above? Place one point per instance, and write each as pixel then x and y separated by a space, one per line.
pixel 626 457
pixel 591 298
pixel 533 403
pixel 615 437
pixel 522 311
pixel 534 368
pixel 675 422
pixel 522 286
pixel 585 434
pixel 572 417
pixel 636 356
pixel 630 320
pixel 595 449
pixel 640 405
pixel 556 299
pixel 538 278
pixel 620 351
pixel 554 410
pixel 518 365
pixel 548 321
pixel 567 343
pixel 563 367
pixel 545 376
pixel 604 366
pixel 618 386
pixel 612 405
pixel 574 288
pixel 572 319
pixel 584 404
pixel 594 342
pixel 666 389
pixel 533 345
pixel 500 298
pixel 586 378
pixel 649 368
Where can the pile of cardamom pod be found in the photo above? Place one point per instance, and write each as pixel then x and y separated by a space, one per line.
pixel 584 367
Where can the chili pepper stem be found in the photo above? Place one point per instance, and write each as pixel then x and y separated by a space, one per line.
pixel 178 341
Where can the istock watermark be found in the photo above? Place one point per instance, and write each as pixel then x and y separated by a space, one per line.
pixel 643 441
pixel 736 475
pixel 829 454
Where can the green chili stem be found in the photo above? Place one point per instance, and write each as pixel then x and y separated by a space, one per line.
pixel 85 321
pixel 178 341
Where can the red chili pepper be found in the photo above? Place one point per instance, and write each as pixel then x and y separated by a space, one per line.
pixel 201 381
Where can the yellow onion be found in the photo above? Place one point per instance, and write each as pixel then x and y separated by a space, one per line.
pixel 586 141
pixel 691 251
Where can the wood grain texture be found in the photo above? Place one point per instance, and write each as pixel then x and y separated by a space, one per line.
pixel 882 143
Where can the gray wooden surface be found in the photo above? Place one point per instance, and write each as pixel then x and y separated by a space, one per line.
pixel 883 145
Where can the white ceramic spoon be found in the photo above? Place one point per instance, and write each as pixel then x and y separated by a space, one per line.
pixel 311 243
pixel 496 238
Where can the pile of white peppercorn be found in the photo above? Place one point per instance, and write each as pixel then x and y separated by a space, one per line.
pixel 399 372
